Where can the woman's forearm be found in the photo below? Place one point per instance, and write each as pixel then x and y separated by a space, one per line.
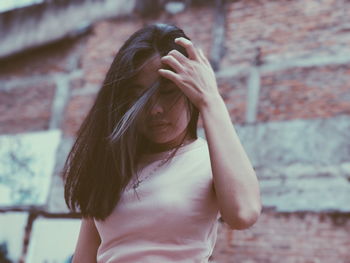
pixel 235 182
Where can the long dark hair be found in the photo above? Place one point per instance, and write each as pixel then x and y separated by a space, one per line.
pixel 107 149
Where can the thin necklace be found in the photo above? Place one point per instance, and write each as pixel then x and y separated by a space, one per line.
pixel 161 163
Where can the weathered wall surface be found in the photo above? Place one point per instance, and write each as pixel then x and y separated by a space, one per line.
pixel 290 238
pixel 47 21
pixel 289 101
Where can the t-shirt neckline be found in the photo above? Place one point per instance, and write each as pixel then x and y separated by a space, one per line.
pixel 184 148
pixel 188 147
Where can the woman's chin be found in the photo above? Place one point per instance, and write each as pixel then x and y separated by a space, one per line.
pixel 161 141
pixel 165 138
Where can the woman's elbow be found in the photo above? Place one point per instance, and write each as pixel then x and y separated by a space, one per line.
pixel 245 218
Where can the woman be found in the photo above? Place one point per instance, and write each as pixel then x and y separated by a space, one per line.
pixel 148 188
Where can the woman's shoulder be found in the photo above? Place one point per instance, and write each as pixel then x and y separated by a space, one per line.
pixel 197 150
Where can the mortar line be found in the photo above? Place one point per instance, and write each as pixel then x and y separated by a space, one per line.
pixel 311 61
pixel 61 97
pixel 253 95
pixel 218 34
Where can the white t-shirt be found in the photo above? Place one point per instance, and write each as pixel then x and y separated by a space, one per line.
pixel 173 217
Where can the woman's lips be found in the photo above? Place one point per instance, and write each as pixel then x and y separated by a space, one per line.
pixel 158 125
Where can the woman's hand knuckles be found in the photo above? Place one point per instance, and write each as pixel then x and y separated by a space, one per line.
pixel 173 52
pixel 194 67
pixel 166 58
pixel 188 43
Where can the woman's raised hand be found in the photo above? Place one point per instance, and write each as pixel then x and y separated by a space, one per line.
pixel 193 75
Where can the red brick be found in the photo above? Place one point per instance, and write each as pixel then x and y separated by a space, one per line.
pixel 102 45
pixel 24 109
pixel 319 92
pixel 75 112
pixel 284 238
pixel 234 93
pixel 51 59
pixel 280 27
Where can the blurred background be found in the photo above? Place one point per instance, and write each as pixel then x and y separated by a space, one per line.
pixel 283 69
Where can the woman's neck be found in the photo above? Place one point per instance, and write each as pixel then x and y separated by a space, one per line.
pixel 154 148
pixel 160 153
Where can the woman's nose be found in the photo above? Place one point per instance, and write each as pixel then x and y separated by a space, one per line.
pixel 156 106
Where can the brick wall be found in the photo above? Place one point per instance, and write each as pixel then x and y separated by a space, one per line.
pixel 304 93
pixel 284 29
pixel 287 237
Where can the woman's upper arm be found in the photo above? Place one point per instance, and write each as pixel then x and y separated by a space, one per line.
pixel 88 242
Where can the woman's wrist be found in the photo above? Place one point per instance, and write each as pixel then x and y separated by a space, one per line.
pixel 211 102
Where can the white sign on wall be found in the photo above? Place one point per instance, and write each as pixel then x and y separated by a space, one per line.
pixel 27 163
